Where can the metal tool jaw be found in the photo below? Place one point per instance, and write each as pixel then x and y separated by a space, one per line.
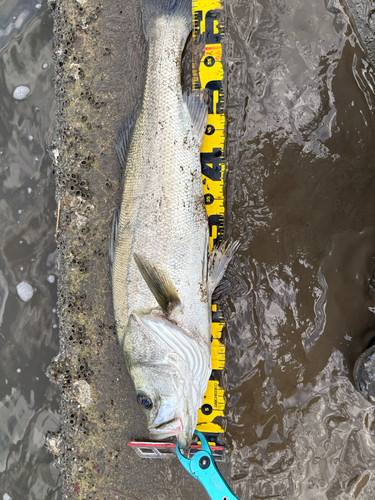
pixel 202 466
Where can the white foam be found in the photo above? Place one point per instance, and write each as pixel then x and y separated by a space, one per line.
pixel 51 278
pixel 25 291
pixel 21 92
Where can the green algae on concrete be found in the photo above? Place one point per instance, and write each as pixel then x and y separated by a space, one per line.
pixel 99 60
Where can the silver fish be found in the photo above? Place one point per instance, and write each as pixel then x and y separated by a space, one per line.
pixel 163 277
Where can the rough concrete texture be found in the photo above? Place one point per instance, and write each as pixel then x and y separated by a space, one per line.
pixel 100 60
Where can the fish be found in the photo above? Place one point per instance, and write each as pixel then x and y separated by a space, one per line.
pixel 163 275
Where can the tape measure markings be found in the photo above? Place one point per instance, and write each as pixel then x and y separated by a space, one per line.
pixel 208 74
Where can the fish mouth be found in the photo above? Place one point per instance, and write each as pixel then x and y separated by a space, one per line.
pixel 184 440
pixel 167 429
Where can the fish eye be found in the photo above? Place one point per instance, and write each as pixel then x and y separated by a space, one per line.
pixel 144 401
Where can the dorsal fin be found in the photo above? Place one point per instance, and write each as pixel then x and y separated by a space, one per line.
pixel 160 285
pixel 218 261
pixel 198 111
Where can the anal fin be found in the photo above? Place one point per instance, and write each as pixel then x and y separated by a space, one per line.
pixel 125 133
pixel 112 238
pixel 160 285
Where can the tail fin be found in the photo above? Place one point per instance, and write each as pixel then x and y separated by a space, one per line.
pixel 152 9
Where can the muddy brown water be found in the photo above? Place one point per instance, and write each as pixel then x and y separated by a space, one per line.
pixel 300 187
pixel 300 199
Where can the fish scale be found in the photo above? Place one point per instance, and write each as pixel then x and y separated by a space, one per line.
pixel 162 214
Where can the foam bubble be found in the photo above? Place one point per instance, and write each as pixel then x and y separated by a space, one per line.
pixel 21 92
pixel 45 65
pixel 51 278
pixel 25 291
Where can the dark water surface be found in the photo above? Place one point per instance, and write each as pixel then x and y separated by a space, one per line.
pixel 300 198
pixel 28 331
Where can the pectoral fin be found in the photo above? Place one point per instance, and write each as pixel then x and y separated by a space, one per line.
pixel 160 285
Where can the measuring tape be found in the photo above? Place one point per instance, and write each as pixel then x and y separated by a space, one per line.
pixel 208 26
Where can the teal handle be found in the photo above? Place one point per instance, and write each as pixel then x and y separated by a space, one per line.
pixel 202 466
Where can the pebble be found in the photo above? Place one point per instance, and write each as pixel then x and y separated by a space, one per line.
pixel 82 392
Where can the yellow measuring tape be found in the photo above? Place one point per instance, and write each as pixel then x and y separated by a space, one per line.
pixel 208 74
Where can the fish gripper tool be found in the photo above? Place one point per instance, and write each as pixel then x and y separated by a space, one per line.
pixel 202 466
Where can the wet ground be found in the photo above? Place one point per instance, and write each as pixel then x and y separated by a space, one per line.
pixel 28 330
pixel 299 194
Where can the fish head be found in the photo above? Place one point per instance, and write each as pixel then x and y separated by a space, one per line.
pixel 163 397
pixel 170 371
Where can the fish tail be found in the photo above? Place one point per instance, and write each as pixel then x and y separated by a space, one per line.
pixel 153 9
